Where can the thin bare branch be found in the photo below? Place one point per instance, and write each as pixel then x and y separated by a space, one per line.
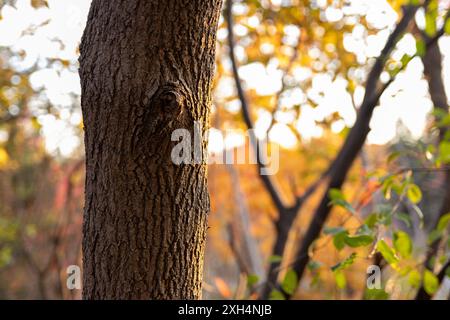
pixel 266 180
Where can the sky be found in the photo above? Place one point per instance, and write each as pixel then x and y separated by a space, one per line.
pixel 406 99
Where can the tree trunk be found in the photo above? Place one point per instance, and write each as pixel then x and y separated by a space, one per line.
pixel 146 69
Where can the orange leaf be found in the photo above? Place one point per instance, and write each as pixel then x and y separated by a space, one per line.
pixel 223 288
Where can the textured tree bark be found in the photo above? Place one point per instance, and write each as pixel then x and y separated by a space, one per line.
pixel 146 68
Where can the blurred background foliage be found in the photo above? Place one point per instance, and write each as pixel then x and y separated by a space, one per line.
pixel 303 65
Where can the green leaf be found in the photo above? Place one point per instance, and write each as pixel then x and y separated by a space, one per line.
pixel 344 204
pixel 443 222
pixel 405 60
pixel 276 295
pixel 394 155
pixel 447 26
pixel 386 186
pixel 444 152
pixel 31 230
pixel 385 218
pixel 338 199
pixel 432 7
pixel 405 218
pixel 339 240
pixel 434 236
pixel 393 72
pixel 419 214
pixel 432 262
pixel 315 281
pixel 414 279
pixel 403 243
pixel 371 220
pixel 252 279
pixel 376 294
pixel 344 264
pixel 387 252
pixel 414 193
pixel 421 47
pixel 333 230
pixel 430 24
pixel 5 256
pixel 430 282
pixel 364 230
pixel 403 270
pixel 399 188
pixel 358 241
pixel 439 114
pixel 275 259
pixel 442 121
pixel 336 194
pixel 314 265
pixel 339 277
pixel 290 281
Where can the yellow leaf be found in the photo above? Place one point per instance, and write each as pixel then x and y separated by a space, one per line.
pixel 39 3
pixel 3 157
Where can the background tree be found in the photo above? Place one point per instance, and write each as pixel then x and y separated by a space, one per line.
pixel 340 167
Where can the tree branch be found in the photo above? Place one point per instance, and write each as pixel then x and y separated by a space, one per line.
pixel 266 180
pixel 432 62
pixel 286 214
pixel 353 144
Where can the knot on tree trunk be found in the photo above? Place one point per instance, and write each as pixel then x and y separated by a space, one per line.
pixel 168 110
